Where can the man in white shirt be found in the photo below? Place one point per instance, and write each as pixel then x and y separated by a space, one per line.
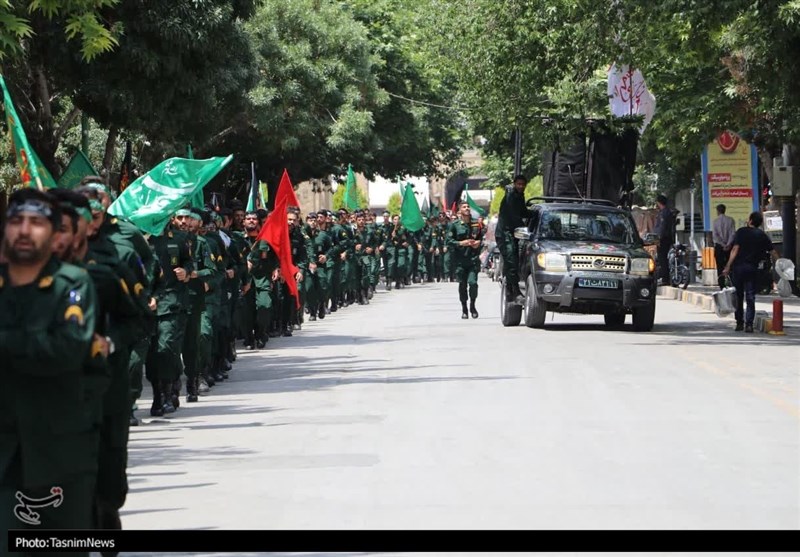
pixel 724 229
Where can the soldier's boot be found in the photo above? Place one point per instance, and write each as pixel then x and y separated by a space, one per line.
pixel 287 330
pixel 225 365
pixel 134 421
pixel 462 295
pixel 157 409
pixel 209 377
pixel 107 517
pixel 473 295
pixel 202 386
pixel 321 310
pixel 216 371
pixel 166 397
pixel 472 309
pixel 175 397
pixel 192 386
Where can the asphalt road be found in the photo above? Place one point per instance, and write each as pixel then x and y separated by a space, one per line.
pixel 401 415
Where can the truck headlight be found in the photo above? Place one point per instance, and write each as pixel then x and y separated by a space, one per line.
pixel 552 261
pixel 643 266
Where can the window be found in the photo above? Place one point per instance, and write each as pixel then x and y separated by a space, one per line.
pixel 588 225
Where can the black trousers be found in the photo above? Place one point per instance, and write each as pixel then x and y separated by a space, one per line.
pixel 721 257
pixel 663 261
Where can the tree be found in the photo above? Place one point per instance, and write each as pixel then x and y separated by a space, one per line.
pixel 338 198
pixel 394 204
pixel 77 19
pixel 312 106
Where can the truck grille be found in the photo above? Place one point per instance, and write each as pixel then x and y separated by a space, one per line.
pixel 607 263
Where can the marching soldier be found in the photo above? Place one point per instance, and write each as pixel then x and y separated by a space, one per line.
pixel 48 433
pixel 164 366
pixel 464 240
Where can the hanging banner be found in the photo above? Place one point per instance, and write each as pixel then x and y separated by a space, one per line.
pixel 730 177
pixel 628 94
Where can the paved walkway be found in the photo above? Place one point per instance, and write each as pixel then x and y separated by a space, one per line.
pixel 402 415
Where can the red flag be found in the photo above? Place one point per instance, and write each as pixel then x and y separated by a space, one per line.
pixel 286 192
pixel 276 233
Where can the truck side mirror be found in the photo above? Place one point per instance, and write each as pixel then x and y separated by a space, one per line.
pixel 522 233
pixel 650 239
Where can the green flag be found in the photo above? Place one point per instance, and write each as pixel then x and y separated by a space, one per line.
pixel 351 190
pixel 76 170
pixel 410 216
pixel 152 199
pixel 32 172
pixel 476 210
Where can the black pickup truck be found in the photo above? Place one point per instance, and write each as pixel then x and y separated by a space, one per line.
pixel 582 256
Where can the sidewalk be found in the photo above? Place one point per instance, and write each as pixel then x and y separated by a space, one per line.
pixel 700 296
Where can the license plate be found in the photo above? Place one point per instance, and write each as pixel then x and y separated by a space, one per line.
pixel 598 283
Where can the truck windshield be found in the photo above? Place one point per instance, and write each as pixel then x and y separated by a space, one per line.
pixel 588 225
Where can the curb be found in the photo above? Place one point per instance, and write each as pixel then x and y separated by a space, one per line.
pixel 762 323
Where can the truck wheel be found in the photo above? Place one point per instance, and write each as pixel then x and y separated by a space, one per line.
pixel 644 317
pixel 510 313
pixel 535 309
pixel 615 319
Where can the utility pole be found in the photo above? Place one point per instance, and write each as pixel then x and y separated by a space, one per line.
pixel 787 204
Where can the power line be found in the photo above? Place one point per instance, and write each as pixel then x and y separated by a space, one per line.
pixel 425 103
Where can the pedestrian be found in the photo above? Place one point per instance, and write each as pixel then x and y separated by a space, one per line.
pixel 465 238
pixel 48 436
pixel 512 215
pixel 665 228
pixel 751 249
pixel 724 229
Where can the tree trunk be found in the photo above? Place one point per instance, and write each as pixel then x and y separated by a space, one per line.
pixel 108 158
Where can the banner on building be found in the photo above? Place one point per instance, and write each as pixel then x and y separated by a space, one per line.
pixel 730 178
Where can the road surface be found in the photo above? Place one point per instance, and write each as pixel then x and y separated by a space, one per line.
pixel 401 415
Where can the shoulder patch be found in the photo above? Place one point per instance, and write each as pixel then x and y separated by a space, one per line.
pixel 138 288
pixel 170 234
pixel 114 220
pixel 74 314
pixel 46 282
pixel 124 286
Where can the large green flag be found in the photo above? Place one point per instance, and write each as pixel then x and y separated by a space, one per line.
pixel 32 172
pixel 78 168
pixel 410 215
pixel 474 208
pixel 152 199
pixel 351 190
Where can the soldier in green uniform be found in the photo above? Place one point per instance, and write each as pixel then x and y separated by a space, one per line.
pixel 164 366
pixel 384 235
pixel 262 263
pixel 398 243
pixel 219 295
pixel 374 257
pixel 322 252
pixel 464 240
pixel 363 249
pixel 125 234
pixel 189 221
pixel 238 265
pixel 252 329
pixel 512 215
pixel 121 319
pixel 299 242
pixel 48 431
pixel 341 243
